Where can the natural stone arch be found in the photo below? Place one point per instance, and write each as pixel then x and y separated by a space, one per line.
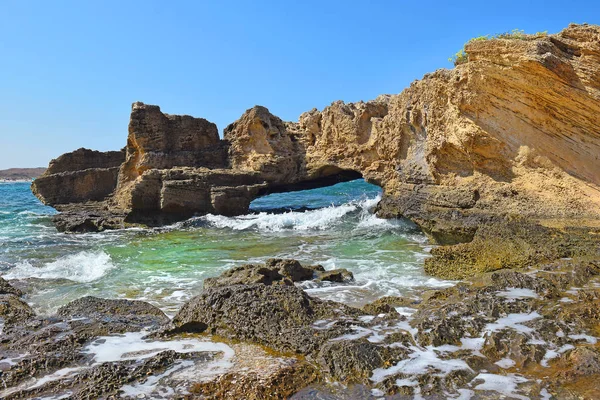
pixel 452 151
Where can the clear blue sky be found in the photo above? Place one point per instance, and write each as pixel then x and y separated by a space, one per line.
pixel 69 70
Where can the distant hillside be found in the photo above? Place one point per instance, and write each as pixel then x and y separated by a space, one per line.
pixel 15 174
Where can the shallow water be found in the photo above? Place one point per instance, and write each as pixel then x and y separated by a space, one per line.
pixel 333 226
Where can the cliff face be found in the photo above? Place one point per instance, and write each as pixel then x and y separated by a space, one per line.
pixel 80 176
pixel 513 131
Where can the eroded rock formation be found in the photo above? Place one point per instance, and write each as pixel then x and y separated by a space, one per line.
pixel 80 176
pixel 513 131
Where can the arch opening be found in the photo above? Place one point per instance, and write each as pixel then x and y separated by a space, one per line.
pixel 326 194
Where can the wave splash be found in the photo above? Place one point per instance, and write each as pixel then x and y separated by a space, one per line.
pixel 85 266
pixel 359 212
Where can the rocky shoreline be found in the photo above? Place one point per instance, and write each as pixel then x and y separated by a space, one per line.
pixel 495 160
pixel 529 333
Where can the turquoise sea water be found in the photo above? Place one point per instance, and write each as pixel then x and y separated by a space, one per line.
pixel 334 226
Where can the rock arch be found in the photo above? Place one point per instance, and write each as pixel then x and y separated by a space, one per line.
pixel 451 151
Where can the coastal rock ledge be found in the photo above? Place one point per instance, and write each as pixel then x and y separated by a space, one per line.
pixel 511 132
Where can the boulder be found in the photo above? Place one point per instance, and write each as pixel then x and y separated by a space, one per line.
pixel 13 310
pixel 7 288
pixel 274 271
pixel 132 313
pixel 78 177
pixel 277 316
pixel 341 275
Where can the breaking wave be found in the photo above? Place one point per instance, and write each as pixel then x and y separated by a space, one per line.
pixel 358 212
pixel 85 266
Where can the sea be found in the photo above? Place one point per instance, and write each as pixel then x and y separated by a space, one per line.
pixel 333 226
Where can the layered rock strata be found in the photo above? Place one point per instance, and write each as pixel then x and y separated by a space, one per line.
pixel 513 131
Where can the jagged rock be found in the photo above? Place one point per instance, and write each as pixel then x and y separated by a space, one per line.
pixel 7 288
pixel 264 383
pixel 247 274
pixel 162 141
pixel 82 159
pixel 274 271
pixel 278 316
pixel 335 275
pixel 135 315
pixel 387 304
pixel 293 270
pixel 13 310
pixel 353 361
pixel 87 218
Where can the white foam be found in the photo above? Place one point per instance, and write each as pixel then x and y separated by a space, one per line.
pixel 131 345
pixel 85 266
pixel 505 363
pixel 359 332
pixel 513 321
pixel 420 362
pixel 553 353
pixel 141 390
pixel 503 384
pixel 545 395
pixel 587 338
pixel 566 300
pixel 60 374
pixel 300 221
pixel 518 293
pixel 319 219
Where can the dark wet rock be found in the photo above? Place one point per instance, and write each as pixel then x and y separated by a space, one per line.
pixel 450 314
pixel 339 392
pixel 353 361
pixel 513 345
pixel 82 219
pixel 7 288
pixel 278 316
pixel 247 274
pixel 570 272
pixel 134 314
pixel 14 310
pixel 341 275
pixel 274 271
pixel 280 383
pixel 106 380
pixel 293 270
pixel 514 279
pixel 582 361
pixel 388 304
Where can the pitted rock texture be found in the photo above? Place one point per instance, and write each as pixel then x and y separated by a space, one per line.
pixel 80 176
pixel 513 131
pixel 133 314
pixel 277 271
pixel 278 316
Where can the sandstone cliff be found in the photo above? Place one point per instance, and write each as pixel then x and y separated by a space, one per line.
pixel 80 176
pixel 512 132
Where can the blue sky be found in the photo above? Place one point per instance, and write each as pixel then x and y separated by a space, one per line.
pixel 69 70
